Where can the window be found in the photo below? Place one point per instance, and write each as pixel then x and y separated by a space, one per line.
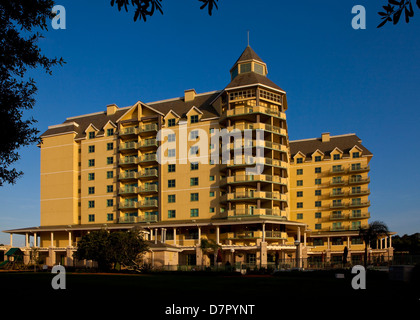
pixel 171 183
pixel 299 183
pixel 193 181
pixel 91 218
pixel 194 134
pixel 299 160
pixel 211 130
pixel 194 212
pixel 299 194
pixel 356 154
pixel 110 132
pixel 171 198
pixel 91 162
pixel 171 153
pixel 91 149
pixel 194 150
pixel 317 192
pixel 110 188
pixel 194 166
pixel 299 205
pixel 171 137
pixel 246 67
pixel 91 176
pixel 109 160
pixel 91 190
pixel 318 170
pixel 109 146
pixel 171 168
pixel 211 178
pixel 110 202
pixel 194 197
pixel 91 135
pixel 212 210
pixel 318 215
pixel 318 158
pixel 318 181
pixel 318 242
pixel 299 172
pixel 355 166
pixel 194 119
pixel 299 216
pixel 211 193
pixel 337 168
pixel 110 174
pixel 336 157
pixel 317 203
pixel 91 204
pixel 110 217
pixel 317 226
pixel 171 122
pixel 171 214
pixel 356 213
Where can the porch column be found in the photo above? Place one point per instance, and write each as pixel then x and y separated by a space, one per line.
pixel 155 234
pixel 263 232
pixel 348 242
pixel 52 239
pixel 217 235
pixel 35 240
pixel 175 236
pixel 70 242
pixel 26 240
pixel 199 234
pixel 304 238
pixel 11 239
pixel 390 241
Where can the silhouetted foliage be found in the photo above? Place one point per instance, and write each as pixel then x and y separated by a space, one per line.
pixel 394 10
pixel 371 233
pixel 410 243
pixel 111 248
pixel 146 8
pixel 20 22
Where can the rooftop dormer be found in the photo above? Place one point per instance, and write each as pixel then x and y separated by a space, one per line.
pixel 249 61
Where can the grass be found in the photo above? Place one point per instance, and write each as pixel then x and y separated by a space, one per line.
pixel 163 289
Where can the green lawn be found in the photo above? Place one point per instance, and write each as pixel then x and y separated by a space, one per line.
pixel 163 289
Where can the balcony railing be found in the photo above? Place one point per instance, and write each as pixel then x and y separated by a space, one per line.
pixel 148 188
pixel 128 205
pixel 129 131
pixel 129 161
pixel 148 127
pixel 150 173
pixel 148 143
pixel 128 190
pixel 128 146
pixel 148 157
pixel 128 175
pixel 261 126
pixel 256 212
pixel 359 169
pixel 134 219
pixel 251 178
pixel 254 109
pixel 256 195
pixel 148 203
pixel 359 180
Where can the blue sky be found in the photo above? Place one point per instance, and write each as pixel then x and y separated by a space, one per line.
pixel 337 79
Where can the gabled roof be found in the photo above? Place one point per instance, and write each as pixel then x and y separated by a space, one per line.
pixel 344 142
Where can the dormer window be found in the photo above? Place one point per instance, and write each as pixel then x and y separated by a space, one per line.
pixel 194 119
pixel 171 122
pixel 91 135
pixel 246 67
pixel 299 160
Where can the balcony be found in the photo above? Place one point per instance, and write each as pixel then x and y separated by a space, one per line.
pixel 134 219
pixel 251 212
pixel 337 170
pixel 128 132
pixel 131 175
pixel 148 144
pixel 148 158
pixel 148 189
pixel 359 192
pixel 128 190
pixel 128 147
pixel 357 204
pixel 359 215
pixel 359 180
pixel 354 169
pixel 128 205
pixel 258 126
pixel 253 195
pixel 249 179
pixel 337 182
pixel 249 110
pixel 149 128
pixel 337 194
pixel 148 174
pixel 128 161
pixel 148 203
pixel 337 216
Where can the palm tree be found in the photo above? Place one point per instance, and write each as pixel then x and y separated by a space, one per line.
pixel 371 233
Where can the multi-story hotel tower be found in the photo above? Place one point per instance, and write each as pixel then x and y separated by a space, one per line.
pixel 307 199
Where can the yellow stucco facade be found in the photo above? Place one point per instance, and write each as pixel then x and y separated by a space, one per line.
pixel 151 165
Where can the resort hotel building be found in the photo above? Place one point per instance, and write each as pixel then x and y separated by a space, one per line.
pixel 218 166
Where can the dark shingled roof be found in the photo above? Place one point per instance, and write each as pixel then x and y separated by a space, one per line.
pixel 344 142
pixel 180 107
pixel 100 119
pixel 248 54
pixel 250 78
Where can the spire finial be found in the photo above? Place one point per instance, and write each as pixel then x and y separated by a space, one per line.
pixel 248 38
